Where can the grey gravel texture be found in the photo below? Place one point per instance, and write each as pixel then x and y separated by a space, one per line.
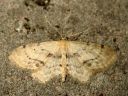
pixel 100 21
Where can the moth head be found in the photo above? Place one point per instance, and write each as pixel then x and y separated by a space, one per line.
pixel 61 36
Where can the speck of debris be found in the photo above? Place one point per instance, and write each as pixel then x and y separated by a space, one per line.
pixel 43 3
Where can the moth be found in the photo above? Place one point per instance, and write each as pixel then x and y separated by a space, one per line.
pixel 49 59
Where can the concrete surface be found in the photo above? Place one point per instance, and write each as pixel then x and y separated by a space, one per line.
pixel 100 21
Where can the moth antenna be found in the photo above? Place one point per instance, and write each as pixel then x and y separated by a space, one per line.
pixel 49 23
pixel 65 20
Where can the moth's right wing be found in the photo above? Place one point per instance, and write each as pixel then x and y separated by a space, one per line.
pixel 85 59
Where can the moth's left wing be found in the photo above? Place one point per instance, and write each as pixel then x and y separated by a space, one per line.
pixel 49 71
pixel 33 56
pixel 41 58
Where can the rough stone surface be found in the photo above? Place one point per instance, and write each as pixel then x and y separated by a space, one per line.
pixel 99 21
